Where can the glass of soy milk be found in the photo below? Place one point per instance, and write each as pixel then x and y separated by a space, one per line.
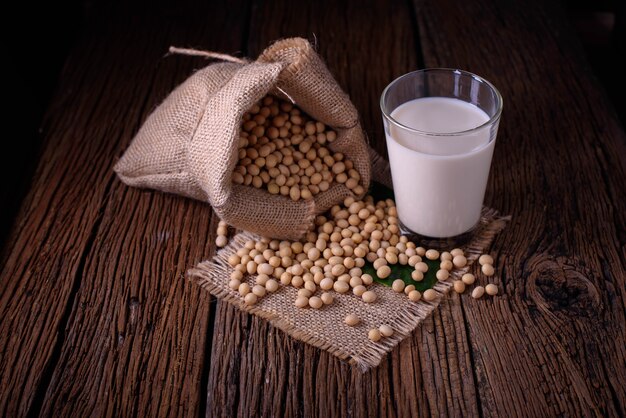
pixel 441 127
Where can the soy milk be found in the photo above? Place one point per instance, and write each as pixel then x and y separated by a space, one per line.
pixel 439 180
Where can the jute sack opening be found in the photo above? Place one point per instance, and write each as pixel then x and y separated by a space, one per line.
pixel 188 145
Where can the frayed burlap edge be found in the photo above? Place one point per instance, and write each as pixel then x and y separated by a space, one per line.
pixel 213 276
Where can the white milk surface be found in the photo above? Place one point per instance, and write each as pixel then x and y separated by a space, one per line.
pixel 439 181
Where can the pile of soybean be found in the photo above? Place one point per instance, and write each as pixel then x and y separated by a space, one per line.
pixel 284 151
pixel 330 259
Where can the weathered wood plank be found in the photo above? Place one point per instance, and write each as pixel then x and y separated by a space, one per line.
pixel 556 343
pixel 98 317
pixel 553 344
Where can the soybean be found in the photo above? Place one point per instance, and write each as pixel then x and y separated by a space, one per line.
pixel 459 286
pixel 468 278
pixel 415 295
pixel 398 285
pixel 385 330
pixel 369 296
pixel 352 320
pixel 478 292
pixel 491 289
pixel 374 335
pixel 430 295
pixel 487 269
pixel 442 275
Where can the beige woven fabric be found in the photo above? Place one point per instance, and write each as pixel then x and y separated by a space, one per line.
pixel 324 328
pixel 188 145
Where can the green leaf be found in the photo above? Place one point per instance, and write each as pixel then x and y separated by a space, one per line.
pixel 399 271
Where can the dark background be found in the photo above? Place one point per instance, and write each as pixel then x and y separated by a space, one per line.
pixel 33 70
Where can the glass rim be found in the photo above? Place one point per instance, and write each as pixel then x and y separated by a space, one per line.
pixel 491 121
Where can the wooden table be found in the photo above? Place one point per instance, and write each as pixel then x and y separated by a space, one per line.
pixel 97 317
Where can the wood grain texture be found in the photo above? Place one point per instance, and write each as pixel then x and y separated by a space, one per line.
pixel 98 319
pixel 98 316
pixel 559 170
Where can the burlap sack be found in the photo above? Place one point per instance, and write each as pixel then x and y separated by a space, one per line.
pixel 188 145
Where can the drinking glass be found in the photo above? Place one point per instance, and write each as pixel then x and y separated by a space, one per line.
pixel 441 127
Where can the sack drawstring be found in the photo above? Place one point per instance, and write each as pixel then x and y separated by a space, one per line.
pixel 206 54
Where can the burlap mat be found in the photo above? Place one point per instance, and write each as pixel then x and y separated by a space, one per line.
pixel 325 328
